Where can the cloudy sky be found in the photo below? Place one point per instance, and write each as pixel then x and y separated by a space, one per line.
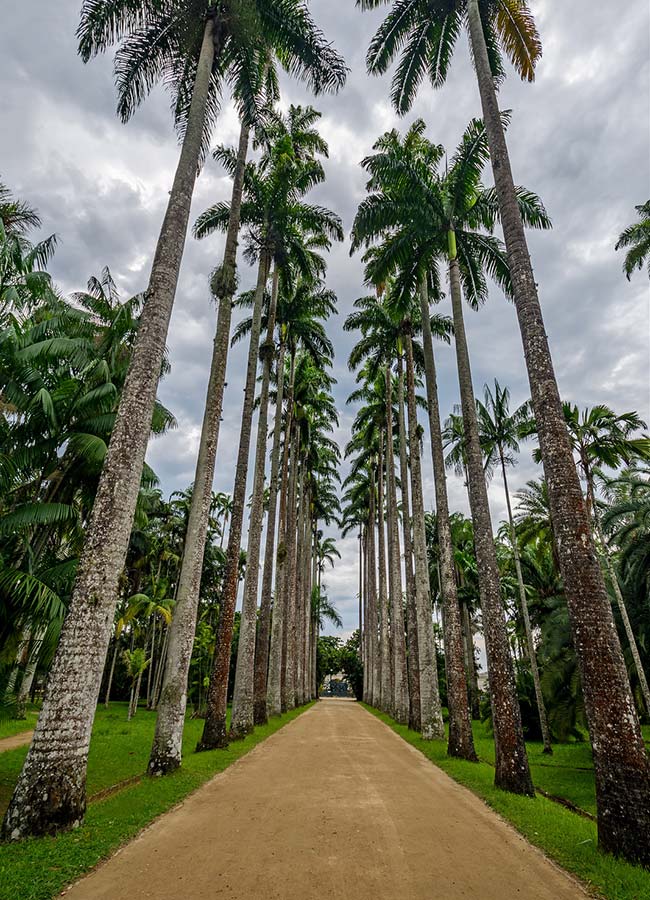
pixel 579 137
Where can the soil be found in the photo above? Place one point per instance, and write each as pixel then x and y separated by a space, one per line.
pixel 334 805
pixel 16 740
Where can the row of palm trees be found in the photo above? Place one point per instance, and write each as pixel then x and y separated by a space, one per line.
pixel 195 49
pixel 415 218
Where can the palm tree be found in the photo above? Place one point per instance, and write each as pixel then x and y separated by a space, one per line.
pixel 300 308
pixel 441 217
pixel 193 47
pixel 637 238
pixel 500 431
pixel 600 437
pixel 425 35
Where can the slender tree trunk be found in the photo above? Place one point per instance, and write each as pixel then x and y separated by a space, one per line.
pixel 50 794
pixel 400 675
pixel 511 762
pixel 262 648
pixel 523 602
pixel 461 740
pixel 111 673
pixel 470 663
pixel 627 625
pixel 28 675
pixel 361 571
pixel 275 678
pixel 214 730
pixel 364 632
pixel 412 660
pixel 373 635
pixel 168 738
pixel 289 687
pixel 431 724
pixel 242 704
pixel 300 587
pixel 621 764
pixel 161 668
pixel 385 693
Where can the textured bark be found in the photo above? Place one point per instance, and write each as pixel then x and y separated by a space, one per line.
pixel 621 764
pixel 431 724
pixel 511 762
pixel 50 794
pixel 385 691
pixel 289 685
pixel 620 602
pixel 275 674
pixel 299 593
pixel 412 663
pixel 400 703
pixel 262 647
pixel 461 741
pixel 523 602
pixel 361 572
pixel 364 633
pixel 242 720
pixel 214 730
pixel 109 684
pixel 165 754
pixel 470 664
pixel 373 632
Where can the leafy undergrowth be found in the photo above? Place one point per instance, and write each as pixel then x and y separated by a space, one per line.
pixel 38 869
pixel 565 836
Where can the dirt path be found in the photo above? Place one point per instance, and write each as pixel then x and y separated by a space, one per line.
pixel 335 805
pixel 16 740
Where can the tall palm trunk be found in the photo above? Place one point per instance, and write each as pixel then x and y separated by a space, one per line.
pixel 166 748
pixel 215 730
pixel 620 602
pixel 289 590
pixel 262 648
pixel 242 720
pixel 373 632
pixel 431 724
pixel 364 632
pixel 412 660
pixel 470 663
pixel 461 740
pixel 511 762
pixel 621 764
pixel 300 587
pixel 361 574
pixel 400 703
pixel 523 602
pixel 109 683
pixel 278 624
pixel 50 794
pixel 385 693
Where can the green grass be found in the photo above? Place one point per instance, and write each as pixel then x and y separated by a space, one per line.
pixel 565 836
pixel 9 727
pixel 38 869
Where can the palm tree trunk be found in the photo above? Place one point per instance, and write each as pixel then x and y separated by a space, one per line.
pixel 385 693
pixel 470 664
pixel 28 675
pixel 621 764
pixel 161 668
pixel 431 724
pixel 511 762
pixel 300 587
pixel 242 720
pixel 289 687
pixel 214 730
pixel 165 754
pixel 400 675
pixel 364 619
pixel 109 685
pixel 532 657
pixel 627 625
pixel 373 634
pixel 262 649
pixel 412 660
pixel 275 678
pixel 50 794
pixel 461 740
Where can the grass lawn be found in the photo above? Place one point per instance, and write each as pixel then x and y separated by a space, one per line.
pixel 565 836
pixel 9 727
pixel 38 869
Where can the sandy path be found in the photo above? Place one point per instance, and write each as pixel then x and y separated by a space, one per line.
pixel 335 805
pixel 16 740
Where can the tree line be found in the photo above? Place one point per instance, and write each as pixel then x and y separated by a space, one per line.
pixel 418 221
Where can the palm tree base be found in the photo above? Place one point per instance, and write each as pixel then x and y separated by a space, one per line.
pixel 46 805
pixel 260 716
pixel 215 736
